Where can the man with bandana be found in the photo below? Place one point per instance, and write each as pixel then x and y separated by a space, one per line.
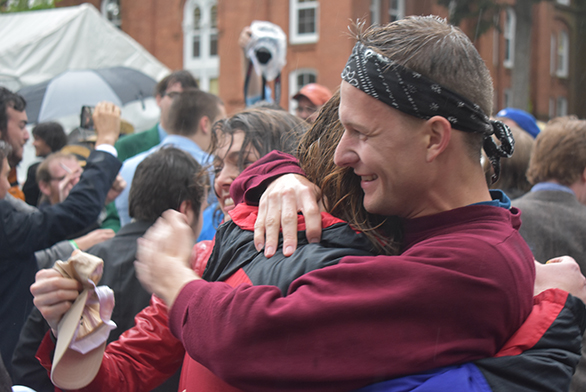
pixel 414 102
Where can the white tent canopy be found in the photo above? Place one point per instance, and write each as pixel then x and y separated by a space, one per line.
pixel 39 45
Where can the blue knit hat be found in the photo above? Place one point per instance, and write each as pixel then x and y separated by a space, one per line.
pixel 522 118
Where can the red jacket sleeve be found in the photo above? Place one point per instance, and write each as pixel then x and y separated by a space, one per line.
pixel 140 360
pixel 252 182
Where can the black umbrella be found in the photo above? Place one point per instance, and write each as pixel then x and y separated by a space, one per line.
pixel 66 93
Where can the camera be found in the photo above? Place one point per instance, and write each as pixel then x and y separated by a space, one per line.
pixel 86 120
pixel 267 49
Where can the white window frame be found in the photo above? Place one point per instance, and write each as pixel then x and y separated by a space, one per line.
pixel 205 68
pixel 375 12
pixel 104 10
pixel 294 87
pixel 509 34
pixel 561 107
pixel 302 38
pixel 398 12
pixel 563 54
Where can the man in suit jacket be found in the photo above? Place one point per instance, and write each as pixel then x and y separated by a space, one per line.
pixel 554 212
pixel 165 180
pixel 21 233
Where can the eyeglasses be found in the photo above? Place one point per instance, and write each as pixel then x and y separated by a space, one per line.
pixel 171 94
pixel 306 109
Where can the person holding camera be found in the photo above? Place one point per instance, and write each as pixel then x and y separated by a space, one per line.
pixel 23 233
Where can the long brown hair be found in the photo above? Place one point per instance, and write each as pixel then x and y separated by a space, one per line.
pixel 341 192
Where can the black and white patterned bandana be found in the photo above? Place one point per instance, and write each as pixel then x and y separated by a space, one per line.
pixel 414 94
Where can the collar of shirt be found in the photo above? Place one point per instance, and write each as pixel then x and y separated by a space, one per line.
pixel 499 199
pixel 162 132
pixel 551 186
pixel 189 146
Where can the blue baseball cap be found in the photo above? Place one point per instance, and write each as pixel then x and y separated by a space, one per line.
pixel 525 120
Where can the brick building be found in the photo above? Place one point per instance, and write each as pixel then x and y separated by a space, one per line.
pixel 202 36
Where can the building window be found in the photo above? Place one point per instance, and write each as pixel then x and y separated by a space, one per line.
pixel 200 42
pixel 509 33
pixel 396 10
pixel 297 79
pixel 111 11
pixel 375 12
pixel 563 2
pixel 562 107
pixel 563 49
pixel 303 21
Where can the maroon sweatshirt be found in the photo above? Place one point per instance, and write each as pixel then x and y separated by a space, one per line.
pixel 462 286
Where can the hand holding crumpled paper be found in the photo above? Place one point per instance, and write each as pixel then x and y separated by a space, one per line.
pixel 84 329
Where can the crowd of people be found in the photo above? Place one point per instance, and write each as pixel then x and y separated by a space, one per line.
pixel 361 244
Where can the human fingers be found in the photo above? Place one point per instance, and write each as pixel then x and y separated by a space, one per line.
pixel 306 197
pixel 106 118
pixel 94 237
pixel 244 37
pixel 53 295
pixel 271 222
pixel 259 228
pixel 289 224
pixel 561 273
pixel 311 207
pixel 66 184
pixel 116 189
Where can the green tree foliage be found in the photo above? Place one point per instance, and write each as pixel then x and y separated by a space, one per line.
pixel 25 5
pixel 483 14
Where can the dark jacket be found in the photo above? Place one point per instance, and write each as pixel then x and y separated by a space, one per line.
pixel 21 234
pixel 554 224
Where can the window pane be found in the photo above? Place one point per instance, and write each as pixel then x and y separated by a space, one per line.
pixel 214 86
pixel 305 78
pixel 196 46
pixel 306 21
pixel 196 18
pixel 213 44
pixel 214 17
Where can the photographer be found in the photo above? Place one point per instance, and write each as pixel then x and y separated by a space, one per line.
pixel 23 233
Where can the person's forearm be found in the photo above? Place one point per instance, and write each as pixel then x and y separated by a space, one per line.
pixel 60 251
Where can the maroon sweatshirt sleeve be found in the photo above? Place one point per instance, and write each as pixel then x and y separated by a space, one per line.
pixel 252 182
pixel 364 320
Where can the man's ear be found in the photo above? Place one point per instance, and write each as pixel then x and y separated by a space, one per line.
pixel 158 98
pixel 186 209
pixel 439 132
pixel 45 188
pixel 205 125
